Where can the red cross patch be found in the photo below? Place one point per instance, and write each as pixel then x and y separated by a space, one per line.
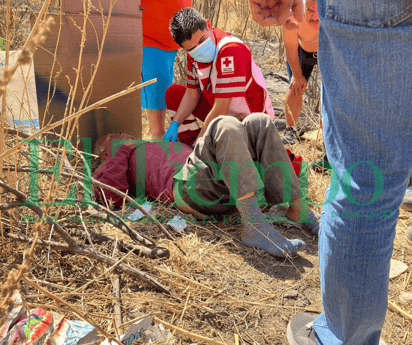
pixel 228 65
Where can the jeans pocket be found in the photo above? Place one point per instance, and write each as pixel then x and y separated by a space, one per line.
pixel 371 13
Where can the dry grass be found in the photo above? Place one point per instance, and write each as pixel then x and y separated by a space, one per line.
pixel 220 289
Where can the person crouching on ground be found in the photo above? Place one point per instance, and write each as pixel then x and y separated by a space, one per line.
pixel 222 78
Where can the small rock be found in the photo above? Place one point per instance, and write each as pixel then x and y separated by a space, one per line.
pixel 291 294
pixel 397 268
pixel 406 297
pixel 278 210
pixel 213 333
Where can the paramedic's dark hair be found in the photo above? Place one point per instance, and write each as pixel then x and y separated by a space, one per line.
pixel 185 23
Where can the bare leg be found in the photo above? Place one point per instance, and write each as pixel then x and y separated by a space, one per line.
pixel 294 215
pixel 294 210
pixel 293 107
pixel 156 119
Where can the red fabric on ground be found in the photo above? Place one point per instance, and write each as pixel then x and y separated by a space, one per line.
pixel 296 160
pixel 120 171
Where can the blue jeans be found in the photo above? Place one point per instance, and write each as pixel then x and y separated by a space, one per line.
pixel 365 57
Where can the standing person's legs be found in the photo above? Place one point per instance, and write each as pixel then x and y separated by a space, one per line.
pixel 158 64
pixel 367 125
pixel 293 103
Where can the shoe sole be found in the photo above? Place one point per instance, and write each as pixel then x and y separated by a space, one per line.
pixel 290 335
pixel 292 342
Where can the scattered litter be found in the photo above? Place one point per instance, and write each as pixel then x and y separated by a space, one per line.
pixel 147 332
pixel 311 135
pixel 21 96
pixel 177 223
pixel 157 334
pixel 397 268
pixel 39 326
pixel 136 215
pixel 134 332
pixel 406 297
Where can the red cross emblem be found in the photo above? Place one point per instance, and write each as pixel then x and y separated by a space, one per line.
pixel 227 62
pixel 228 65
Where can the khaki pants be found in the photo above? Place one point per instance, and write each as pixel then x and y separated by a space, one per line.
pixel 225 164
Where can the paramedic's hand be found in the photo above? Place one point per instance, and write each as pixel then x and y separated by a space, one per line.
pixel 276 12
pixel 171 134
pixel 298 85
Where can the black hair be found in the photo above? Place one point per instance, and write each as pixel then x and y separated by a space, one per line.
pixel 185 23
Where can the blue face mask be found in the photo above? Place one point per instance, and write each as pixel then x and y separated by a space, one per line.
pixel 204 52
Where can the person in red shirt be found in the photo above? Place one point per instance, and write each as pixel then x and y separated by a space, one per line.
pixel 215 178
pixel 159 53
pixel 222 78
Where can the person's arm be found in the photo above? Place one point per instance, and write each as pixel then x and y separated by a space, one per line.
pixel 276 12
pixel 220 107
pixel 114 174
pixel 232 66
pixel 187 105
pixel 291 40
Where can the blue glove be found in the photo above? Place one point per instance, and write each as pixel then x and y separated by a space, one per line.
pixel 171 134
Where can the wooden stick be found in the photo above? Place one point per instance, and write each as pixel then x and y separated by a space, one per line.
pixel 56 307
pixel 316 142
pixel 39 18
pixel 75 116
pixel 116 302
pixel 398 309
pixel 269 305
pixel 131 232
pixel 173 274
pixel 122 225
pixel 99 257
pixel 73 309
pixel 126 247
pixel 181 317
pixel 5 69
pixel 187 333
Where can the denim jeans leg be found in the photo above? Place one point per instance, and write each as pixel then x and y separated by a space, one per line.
pixel 365 50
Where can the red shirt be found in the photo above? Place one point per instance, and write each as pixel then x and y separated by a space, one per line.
pixel 156 18
pixel 234 70
pixel 157 171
